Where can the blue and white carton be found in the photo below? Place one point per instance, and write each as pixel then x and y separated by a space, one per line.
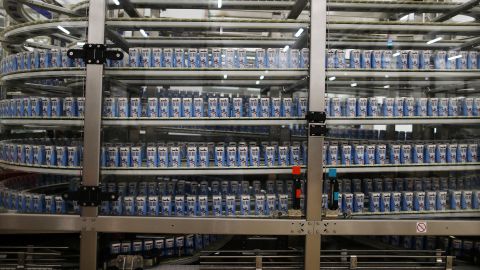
pixel 260 58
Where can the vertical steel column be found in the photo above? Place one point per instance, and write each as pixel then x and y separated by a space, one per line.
pixel 92 126
pixel 318 14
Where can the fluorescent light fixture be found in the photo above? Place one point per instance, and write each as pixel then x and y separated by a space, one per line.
pixel 386 86
pixel 142 131
pixel 262 77
pixel 221 30
pixel 396 54
pixel 266 71
pixel 299 32
pixel 286 48
pixel 225 76
pixel 14 93
pixel 143 33
pixel 353 84
pixel 80 43
pixel 63 29
pixel 386 76
pixel 116 2
pixel 183 134
pixel 219 4
pixel 332 78
pixel 455 57
pixel 434 40
pixel 257 82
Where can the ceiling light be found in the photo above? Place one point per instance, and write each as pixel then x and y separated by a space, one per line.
pixel 143 33
pixel 286 48
pixel 63 29
pixel 219 4
pixel 262 77
pixel 455 57
pixel 80 43
pixel 299 32
pixel 386 86
pixel 225 76
pixel 332 78
pixel 353 84
pixel 116 2
pixel 257 82
pixel 434 40
pixel 142 131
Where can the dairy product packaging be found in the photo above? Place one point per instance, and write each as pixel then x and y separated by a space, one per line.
pixel 380 154
pixel 374 202
pixel 407 201
pixel 346 154
pixel 455 199
pixel 419 201
pixel 441 202
pixel 440 60
pixel 355 59
pixel 385 201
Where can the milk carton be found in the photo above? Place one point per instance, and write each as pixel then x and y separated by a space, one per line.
pixel 340 59
pixel 136 156
pixel 175 157
pixel 269 156
pixel 331 58
pixel 376 59
pixel 203 58
pixel 425 59
pixel 231 207
pixel 109 107
pixel 451 61
pixel 440 60
pixel 255 155
pixel 359 154
pixel 187 107
pixel 395 151
pixel 287 107
pixel 124 153
pixel 361 109
pixel 432 107
pixel 355 59
pixel 237 107
pixel 231 156
pixel 304 58
pixel 272 58
pixel 56 105
pixel 253 107
pixel 413 60
pixel 441 153
pixel 409 106
pixel 350 107
pixel 335 107
pixel 462 62
pixel 472 60
pixel 407 201
pixel 385 200
pixel 441 202
pixel 467 107
pixel 146 57
pixel 179 58
pixel 193 59
pixel 176 107
pixel 260 59
pixel 455 200
pixel 374 202
pixel 265 107
pixel 216 59
pixel 134 55
pixel 366 59
pixel 421 107
pixel 405 154
pixel 220 156
pixel 168 58
pixel 466 199
pixel 157 57
pixel 346 155
pixel 419 201
pixel 452 153
pixel 398 106
pixel 418 153
pixel 224 107
pixel 198 107
pixel 294 58
pixel 430 153
pixel 388 107
pixel 472 152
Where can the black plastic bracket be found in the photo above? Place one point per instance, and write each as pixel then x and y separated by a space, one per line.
pixel 96 54
pixel 316 117
pixel 90 196
pixel 316 130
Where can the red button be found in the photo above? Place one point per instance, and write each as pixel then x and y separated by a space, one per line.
pixel 296 170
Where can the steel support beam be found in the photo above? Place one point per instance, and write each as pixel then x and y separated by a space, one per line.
pixel 400 227
pixel 92 128
pixel 454 12
pixel 318 24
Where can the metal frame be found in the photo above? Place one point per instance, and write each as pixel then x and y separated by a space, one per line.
pixel 88 224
